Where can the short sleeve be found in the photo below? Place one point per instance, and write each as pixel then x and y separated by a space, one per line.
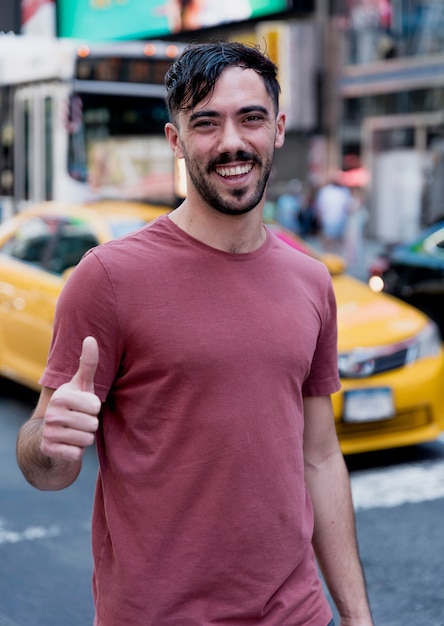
pixel 86 307
pixel 324 374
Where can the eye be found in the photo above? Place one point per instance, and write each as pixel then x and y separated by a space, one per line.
pixel 254 118
pixel 204 124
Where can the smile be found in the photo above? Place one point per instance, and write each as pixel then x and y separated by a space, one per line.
pixel 236 170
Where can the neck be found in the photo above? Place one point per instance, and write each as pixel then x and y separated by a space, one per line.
pixel 230 233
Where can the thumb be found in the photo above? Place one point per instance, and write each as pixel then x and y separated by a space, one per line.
pixel 89 359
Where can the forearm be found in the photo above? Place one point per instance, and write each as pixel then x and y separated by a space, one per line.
pixel 335 540
pixel 40 470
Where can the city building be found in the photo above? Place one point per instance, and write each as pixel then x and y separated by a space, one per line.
pixel 392 122
pixel 294 33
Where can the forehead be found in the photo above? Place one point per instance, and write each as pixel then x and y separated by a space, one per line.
pixel 237 87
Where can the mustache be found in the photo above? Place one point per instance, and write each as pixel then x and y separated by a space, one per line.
pixel 227 157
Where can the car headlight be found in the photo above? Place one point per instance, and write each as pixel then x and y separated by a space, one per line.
pixel 426 343
pixel 364 362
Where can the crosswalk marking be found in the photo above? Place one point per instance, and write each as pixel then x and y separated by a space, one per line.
pixel 389 487
pixel 30 533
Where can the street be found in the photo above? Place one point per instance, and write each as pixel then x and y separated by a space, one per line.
pixel 45 537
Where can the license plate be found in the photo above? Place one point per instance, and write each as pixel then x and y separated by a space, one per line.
pixel 368 405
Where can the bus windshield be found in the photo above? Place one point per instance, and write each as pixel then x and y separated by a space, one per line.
pixel 117 145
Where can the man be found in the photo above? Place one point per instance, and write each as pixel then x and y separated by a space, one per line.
pixel 332 206
pixel 205 375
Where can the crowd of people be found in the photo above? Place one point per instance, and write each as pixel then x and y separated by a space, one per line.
pixel 334 212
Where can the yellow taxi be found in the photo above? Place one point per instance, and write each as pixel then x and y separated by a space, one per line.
pixel 391 364
pixel 391 359
pixel 38 248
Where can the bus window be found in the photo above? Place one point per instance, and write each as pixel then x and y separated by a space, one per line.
pixel 22 149
pixel 76 142
pixel 48 140
pixel 117 144
pixel 146 70
pixel 6 142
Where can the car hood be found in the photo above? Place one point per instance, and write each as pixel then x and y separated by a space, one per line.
pixel 366 318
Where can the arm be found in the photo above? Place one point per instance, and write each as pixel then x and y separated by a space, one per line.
pixel 51 444
pixel 334 538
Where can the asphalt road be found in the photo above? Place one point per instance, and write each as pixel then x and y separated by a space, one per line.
pixel 45 560
pixel 45 557
pixel 399 502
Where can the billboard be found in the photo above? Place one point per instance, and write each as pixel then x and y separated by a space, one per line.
pixel 38 17
pixel 138 19
pixel 294 46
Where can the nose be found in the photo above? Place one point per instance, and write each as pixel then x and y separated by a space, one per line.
pixel 230 137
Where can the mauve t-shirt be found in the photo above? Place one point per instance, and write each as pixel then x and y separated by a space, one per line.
pixel 201 514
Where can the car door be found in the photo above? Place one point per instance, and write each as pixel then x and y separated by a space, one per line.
pixel 33 264
pixel 28 293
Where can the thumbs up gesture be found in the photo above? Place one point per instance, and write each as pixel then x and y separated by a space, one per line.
pixel 71 420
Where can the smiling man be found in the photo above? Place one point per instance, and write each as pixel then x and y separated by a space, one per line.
pixel 205 379
pixel 228 146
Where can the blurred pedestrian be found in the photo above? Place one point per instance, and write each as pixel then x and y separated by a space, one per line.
pixel 354 232
pixel 220 472
pixel 332 207
pixel 307 215
pixel 289 205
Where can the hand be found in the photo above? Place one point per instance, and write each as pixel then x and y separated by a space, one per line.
pixel 71 420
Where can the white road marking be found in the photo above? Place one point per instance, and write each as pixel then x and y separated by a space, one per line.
pixel 389 487
pixel 372 488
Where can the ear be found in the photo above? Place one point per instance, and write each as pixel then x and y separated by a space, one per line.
pixel 172 135
pixel 280 130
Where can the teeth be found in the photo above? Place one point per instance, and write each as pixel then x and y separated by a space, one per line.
pixel 234 171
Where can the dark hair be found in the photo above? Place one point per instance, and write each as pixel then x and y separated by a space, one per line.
pixel 195 73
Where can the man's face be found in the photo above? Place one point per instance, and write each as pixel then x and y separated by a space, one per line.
pixel 228 142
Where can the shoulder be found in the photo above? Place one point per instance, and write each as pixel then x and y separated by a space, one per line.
pixel 295 252
pixel 149 239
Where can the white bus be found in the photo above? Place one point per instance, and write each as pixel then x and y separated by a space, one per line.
pixel 80 122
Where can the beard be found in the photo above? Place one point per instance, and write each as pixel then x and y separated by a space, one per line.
pixel 241 201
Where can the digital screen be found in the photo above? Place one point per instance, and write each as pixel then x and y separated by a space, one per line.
pixel 133 19
pixel 122 69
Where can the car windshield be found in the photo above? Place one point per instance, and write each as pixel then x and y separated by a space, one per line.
pixel 121 227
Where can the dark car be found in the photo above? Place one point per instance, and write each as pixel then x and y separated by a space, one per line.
pixel 414 272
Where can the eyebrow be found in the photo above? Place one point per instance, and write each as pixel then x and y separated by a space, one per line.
pixel 254 108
